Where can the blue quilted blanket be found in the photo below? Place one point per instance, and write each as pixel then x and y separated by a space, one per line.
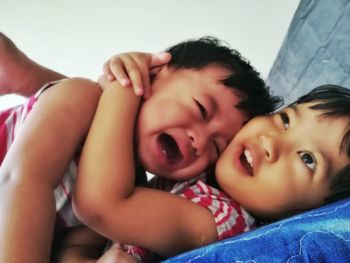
pixel 320 235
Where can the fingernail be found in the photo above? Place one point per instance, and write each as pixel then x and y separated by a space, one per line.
pixel 139 91
pixel 125 82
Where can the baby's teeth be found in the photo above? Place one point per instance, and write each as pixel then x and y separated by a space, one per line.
pixel 249 157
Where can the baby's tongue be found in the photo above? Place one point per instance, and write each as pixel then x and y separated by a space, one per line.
pixel 170 148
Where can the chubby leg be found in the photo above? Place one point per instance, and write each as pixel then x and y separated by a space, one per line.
pixel 18 73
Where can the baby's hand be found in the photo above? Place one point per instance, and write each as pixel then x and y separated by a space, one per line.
pixel 116 254
pixel 134 69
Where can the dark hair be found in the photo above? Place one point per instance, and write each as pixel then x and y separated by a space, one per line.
pixel 199 53
pixel 334 102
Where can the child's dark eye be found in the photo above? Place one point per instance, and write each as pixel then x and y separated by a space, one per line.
pixel 285 120
pixel 309 160
pixel 202 110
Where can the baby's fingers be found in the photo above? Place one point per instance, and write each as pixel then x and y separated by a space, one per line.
pixel 148 63
pixel 159 59
pixel 117 68
pixel 114 70
pixel 136 70
pixel 133 69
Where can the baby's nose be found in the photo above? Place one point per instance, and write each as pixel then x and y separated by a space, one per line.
pixel 198 140
pixel 270 147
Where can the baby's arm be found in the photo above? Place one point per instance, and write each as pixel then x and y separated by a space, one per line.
pixel 106 199
pixel 35 164
pixel 18 73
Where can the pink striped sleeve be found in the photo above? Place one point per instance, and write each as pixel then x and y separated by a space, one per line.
pixel 230 218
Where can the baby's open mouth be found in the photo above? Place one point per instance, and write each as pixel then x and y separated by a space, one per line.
pixel 170 148
pixel 247 161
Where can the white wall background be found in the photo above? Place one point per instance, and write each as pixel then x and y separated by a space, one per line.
pixel 76 37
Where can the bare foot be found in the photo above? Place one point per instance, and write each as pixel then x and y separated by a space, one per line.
pixel 18 73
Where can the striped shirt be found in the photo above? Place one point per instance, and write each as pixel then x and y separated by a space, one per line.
pixel 230 218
